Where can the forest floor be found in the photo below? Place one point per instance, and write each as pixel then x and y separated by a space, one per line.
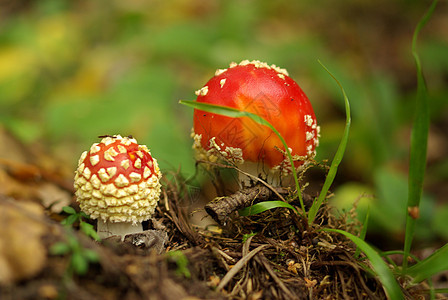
pixel 271 255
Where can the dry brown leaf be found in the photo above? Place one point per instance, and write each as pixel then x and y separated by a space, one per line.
pixel 310 283
pixel 13 188
pixel 22 253
pixel 53 197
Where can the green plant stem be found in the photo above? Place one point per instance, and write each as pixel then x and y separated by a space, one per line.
pixel 419 141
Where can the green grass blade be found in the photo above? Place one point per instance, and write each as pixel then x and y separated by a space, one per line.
pixel 384 273
pixel 419 141
pixel 363 232
pixel 433 264
pixel 440 291
pixel 398 252
pixel 263 206
pixel 337 157
pixel 236 113
pixel 227 111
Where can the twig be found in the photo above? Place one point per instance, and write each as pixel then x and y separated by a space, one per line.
pixel 263 261
pixel 165 198
pixel 221 208
pixel 225 255
pixel 221 257
pixel 238 266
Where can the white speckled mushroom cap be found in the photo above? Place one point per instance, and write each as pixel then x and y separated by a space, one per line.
pixel 117 180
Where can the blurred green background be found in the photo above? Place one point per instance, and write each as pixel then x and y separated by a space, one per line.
pixel 73 70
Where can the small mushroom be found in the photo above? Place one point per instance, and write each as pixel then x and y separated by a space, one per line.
pixel 269 92
pixel 117 182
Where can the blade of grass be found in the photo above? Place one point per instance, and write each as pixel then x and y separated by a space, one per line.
pixel 438 291
pixel 384 273
pixel 399 252
pixel 433 264
pixel 263 206
pixel 432 293
pixel 337 157
pixel 236 113
pixel 419 141
pixel 362 234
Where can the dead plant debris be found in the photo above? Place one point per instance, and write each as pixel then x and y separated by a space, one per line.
pixel 272 255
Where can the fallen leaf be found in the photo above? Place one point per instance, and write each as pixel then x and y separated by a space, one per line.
pixel 22 254
pixel 53 197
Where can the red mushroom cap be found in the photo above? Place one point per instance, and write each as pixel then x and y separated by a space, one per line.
pixel 269 92
pixel 117 180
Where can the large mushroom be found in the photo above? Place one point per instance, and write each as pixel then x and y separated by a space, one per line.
pixel 117 182
pixel 269 92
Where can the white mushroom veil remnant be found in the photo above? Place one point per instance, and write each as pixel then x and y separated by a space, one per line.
pixel 117 182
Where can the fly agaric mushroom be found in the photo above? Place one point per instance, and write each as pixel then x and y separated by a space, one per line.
pixel 269 92
pixel 117 182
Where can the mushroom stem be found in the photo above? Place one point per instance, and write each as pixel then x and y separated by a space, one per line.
pixel 249 168
pixel 107 229
pixel 256 169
